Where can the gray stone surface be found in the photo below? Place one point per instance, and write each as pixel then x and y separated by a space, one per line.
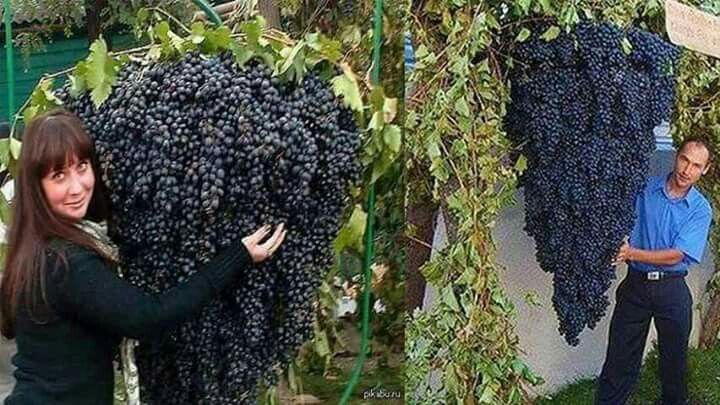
pixel 438 243
pixel 7 381
pixel 543 348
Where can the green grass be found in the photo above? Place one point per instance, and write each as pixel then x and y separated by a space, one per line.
pixel 703 383
pixel 579 392
pixel 388 379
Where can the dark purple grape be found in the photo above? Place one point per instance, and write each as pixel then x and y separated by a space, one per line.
pixel 197 154
pixel 584 112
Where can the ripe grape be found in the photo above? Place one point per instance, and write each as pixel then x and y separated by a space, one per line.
pixel 584 112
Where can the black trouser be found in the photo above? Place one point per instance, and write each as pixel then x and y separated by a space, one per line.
pixel 669 302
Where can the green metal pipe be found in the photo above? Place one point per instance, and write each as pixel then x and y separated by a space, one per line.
pixel 209 11
pixel 7 16
pixel 365 332
pixel 369 228
pixel 377 41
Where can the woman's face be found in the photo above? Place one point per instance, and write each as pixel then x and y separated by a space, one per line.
pixel 68 191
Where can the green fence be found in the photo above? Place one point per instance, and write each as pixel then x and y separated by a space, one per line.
pixel 59 54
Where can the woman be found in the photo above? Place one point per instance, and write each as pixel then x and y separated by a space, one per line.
pixel 61 298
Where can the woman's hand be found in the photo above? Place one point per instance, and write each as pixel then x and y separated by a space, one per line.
pixel 259 252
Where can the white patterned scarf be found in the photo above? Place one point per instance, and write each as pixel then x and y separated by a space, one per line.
pixel 127 346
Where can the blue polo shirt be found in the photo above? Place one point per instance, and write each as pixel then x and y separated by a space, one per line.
pixel 667 223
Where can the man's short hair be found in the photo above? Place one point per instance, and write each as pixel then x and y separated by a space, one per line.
pixel 700 141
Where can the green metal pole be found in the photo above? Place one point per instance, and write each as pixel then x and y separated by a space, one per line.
pixel 209 11
pixel 369 227
pixel 365 332
pixel 7 16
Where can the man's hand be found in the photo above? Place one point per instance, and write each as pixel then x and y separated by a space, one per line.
pixel 623 254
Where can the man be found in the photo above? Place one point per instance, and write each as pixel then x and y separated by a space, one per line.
pixel 670 233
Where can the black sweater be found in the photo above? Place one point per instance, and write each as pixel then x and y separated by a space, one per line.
pixel 68 360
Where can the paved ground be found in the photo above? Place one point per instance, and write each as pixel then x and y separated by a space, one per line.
pixel 7 349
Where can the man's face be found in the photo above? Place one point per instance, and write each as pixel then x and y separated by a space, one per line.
pixel 690 163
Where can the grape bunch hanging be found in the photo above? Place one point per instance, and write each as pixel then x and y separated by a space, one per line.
pixel 199 153
pixel 584 107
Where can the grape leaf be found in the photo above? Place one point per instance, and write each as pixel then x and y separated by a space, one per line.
pixel 197 35
pixel 330 48
pixel 346 85
pixel 78 84
pixel 350 236
pixel 523 35
pixel 392 136
pixel 42 99
pixel 218 39
pixel 101 72
pixel 15 147
pixel 252 30
pixel 551 33
pixel 289 55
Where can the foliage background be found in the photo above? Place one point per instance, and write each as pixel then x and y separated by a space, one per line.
pixel 459 155
pixel 350 22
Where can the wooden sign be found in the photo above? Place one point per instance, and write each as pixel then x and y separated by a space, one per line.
pixel 692 28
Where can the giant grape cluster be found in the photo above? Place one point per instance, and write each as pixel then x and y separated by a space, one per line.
pixel 584 108
pixel 196 154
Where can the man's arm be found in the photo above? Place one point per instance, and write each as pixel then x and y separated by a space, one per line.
pixel 689 245
pixel 664 257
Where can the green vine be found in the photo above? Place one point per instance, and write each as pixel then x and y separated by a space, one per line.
pixel 465 349
pixel 349 23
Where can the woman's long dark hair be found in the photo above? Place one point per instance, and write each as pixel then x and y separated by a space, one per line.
pixel 49 142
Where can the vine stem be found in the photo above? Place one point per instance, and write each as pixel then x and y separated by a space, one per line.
pixel 56 74
pixel 171 17
pixel 314 15
pixel 498 68
pixel 133 50
pixel 418 241
pixel 525 21
pixel 452 164
pixel 17 115
pixel 349 53
pixel 479 96
pixel 276 36
pixel 699 108
pixel 271 34
pixel 440 71
pixel 27 100
pixel 517 61
pixel 706 102
pixel 420 92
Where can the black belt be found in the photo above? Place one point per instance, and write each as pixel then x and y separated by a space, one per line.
pixel 655 275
